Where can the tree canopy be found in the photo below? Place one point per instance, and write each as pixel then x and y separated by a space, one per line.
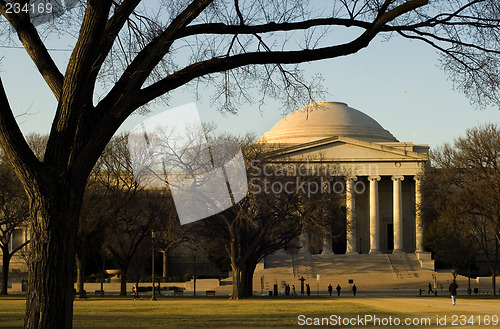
pixel 463 194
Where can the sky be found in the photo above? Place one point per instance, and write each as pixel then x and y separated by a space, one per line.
pixel 397 82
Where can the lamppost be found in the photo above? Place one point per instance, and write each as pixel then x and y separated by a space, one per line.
pixel 317 281
pixel 194 276
pixel 153 265
pixel 468 275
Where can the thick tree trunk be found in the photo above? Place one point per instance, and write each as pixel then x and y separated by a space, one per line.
pixel 80 270
pixel 5 270
pixel 236 282
pixel 248 281
pixel 123 280
pixel 243 270
pixel 243 282
pixel 245 285
pixel 53 225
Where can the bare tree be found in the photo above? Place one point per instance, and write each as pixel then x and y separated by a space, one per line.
pixel 465 190
pixel 231 45
pixel 278 207
pixel 169 233
pixel 452 245
pixel 128 228
pixel 110 188
pixel 13 216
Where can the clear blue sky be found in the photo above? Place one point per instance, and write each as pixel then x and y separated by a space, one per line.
pixel 398 83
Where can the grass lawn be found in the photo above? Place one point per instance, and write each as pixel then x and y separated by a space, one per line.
pixel 266 312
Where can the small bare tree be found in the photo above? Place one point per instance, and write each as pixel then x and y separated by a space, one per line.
pixel 278 207
pixel 110 188
pixel 169 233
pixel 464 189
pixel 13 216
pixel 128 228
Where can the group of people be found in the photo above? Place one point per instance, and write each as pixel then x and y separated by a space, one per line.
pixel 339 288
pixel 290 291
pixel 306 289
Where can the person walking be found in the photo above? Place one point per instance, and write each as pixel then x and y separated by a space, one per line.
pixel 136 292
pixel 308 289
pixel 354 289
pixel 453 292
pixel 158 288
pixel 338 289
pixel 330 289
pixel 430 288
pixel 293 290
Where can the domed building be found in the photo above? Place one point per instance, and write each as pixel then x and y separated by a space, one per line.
pixel 326 119
pixel 382 175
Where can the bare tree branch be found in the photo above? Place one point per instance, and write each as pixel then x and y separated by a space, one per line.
pixel 36 49
pixel 13 143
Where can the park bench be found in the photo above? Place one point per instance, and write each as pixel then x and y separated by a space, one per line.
pixel 82 294
pixel 210 292
pixel 178 292
pixel 421 291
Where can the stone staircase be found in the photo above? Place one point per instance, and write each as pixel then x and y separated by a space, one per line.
pixel 371 272
pixel 384 272
pixel 405 266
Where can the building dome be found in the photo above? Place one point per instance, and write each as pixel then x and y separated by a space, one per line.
pixel 326 119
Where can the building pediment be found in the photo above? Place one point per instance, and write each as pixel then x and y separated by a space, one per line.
pixel 357 157
pixel 344 149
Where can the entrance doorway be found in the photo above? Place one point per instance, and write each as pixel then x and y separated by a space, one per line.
pixel 339 231
pixel 390 236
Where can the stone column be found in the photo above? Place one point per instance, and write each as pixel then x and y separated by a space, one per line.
pixel 304 241
pixel 397 213
pixel 327 246
pixel 419 232
pixel 352 236
pixel 374 215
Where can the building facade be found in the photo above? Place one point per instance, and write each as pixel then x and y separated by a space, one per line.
pixel 382 175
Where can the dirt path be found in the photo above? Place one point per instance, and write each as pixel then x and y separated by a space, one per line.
pixel 437 307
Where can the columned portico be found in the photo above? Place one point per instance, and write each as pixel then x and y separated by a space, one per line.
pixel 397 213
pixel 374 215
pixel 350 202
pixel 377 198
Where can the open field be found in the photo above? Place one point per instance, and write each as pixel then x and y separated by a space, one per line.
pixel 270 312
